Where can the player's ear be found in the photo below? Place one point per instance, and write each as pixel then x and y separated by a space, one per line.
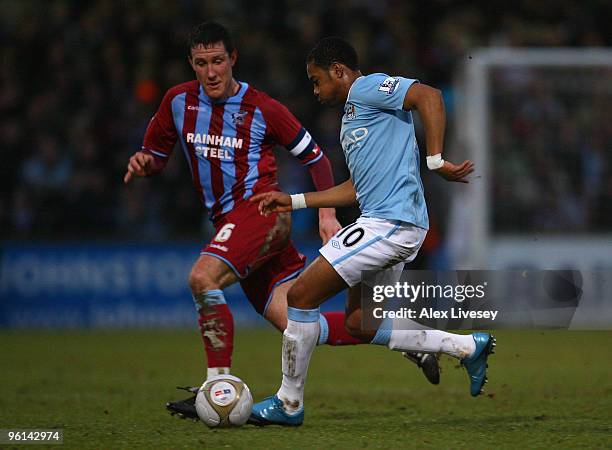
pixel 337 70
pixel 233 57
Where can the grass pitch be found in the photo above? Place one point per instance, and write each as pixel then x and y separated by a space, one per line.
pixel 107 390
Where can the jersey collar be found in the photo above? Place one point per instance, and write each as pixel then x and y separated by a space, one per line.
pixel 236 97
pixel 351 88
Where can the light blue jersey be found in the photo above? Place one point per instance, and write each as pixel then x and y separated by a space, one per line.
pixel 381 151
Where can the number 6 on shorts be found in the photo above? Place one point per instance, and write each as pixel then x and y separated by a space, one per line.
pixel 225 232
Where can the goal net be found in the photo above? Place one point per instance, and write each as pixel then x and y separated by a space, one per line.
pixel 538 125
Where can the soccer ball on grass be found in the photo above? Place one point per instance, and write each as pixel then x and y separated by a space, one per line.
pixel 224 401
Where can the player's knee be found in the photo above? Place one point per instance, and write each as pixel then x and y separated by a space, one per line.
pixel 297 296
pixel 201 281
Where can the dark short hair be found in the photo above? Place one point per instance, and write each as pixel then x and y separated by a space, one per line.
pixel 333 49
pixel 208 33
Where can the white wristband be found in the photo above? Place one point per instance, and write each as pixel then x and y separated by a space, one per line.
pixel 298 201
pixel 435 162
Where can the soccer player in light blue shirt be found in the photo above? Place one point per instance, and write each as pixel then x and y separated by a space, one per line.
pixel 381 151
pixel 379 143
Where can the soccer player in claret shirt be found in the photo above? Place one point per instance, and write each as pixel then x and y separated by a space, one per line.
pixel 379 144
pixel 227 130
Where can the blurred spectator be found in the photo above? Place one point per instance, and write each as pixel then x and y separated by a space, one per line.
pixel 48 169
pixel 552 150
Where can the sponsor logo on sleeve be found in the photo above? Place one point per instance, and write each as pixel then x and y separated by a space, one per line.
pixel 349 110
pixel 389 85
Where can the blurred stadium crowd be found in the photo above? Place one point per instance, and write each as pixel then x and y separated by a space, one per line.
pixel 552 147
pixel 80 80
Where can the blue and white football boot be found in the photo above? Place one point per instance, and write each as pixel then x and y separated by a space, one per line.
pixel 270 411
pixel 476 365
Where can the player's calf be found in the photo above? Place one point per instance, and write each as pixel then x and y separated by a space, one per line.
pixel 352 324
pixel 428 363
pixel 208 276
pixel 217 329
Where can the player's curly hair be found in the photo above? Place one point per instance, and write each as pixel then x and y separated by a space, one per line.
pixel 208 33
pixel 333 49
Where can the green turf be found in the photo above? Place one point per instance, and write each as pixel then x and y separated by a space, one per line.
pixel 107 390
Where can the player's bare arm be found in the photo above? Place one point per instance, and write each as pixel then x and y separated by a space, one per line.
pixel 430 105
pixel 323 178
pixel 338 196
pixel 141 165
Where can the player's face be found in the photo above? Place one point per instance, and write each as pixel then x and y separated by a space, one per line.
pixel 213 67
pixel 325 86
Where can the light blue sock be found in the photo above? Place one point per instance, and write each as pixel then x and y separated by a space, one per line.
pixel 323 330
pixel 303 315
pixel 383 334
pixel 209 298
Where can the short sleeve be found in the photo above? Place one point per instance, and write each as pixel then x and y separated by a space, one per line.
pixel 286 130
pixel 381 91
pixel 161 134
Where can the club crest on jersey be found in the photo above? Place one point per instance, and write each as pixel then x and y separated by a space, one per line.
pixel 238 117
pixel 349 110
pixel 389 85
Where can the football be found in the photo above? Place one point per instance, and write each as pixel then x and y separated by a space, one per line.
pixel 224 401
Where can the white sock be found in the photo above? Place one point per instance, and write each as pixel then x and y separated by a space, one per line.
pixel 432 341
pixel 213 371
pixel 299 341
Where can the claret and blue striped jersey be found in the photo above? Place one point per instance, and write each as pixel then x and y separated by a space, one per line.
pixel 381 151
pixel 229 145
